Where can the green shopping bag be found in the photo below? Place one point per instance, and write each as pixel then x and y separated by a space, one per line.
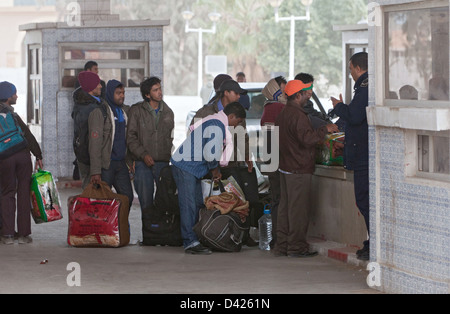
pixel 45 204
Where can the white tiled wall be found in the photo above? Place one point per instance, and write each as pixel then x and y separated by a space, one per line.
pixel 57 132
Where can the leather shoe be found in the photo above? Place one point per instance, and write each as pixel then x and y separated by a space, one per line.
pixel 198 250
pixel 303 255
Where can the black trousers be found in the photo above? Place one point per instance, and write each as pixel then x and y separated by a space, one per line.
pixel 362 196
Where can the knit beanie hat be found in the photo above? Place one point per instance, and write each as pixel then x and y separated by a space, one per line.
pixel 7 90
pixel 88 81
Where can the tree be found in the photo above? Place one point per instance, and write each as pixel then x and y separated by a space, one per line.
pixel 318 47
pixel 248 35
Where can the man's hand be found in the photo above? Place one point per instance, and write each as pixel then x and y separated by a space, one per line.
pixel 96 179
pixel 332 128
pixel 217 176
pixel 39 164
pixel 249 165
pixel 149 161
pixel 336 101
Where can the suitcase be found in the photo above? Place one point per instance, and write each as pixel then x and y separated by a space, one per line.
pixel 98 218
pixel 161 223
pixel 45 203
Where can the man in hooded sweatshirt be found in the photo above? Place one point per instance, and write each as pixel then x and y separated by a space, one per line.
pixel 107 141
pixel 275 103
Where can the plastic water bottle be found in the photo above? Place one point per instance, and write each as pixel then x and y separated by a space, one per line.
pixel 265 230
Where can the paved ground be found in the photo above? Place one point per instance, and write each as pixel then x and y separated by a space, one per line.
pixel 162 270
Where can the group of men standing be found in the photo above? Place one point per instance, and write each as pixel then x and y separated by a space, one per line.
pixel 115 143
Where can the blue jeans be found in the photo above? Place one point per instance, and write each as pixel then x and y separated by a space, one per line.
pixel 190 198
pixel 144 182
pixel 118 176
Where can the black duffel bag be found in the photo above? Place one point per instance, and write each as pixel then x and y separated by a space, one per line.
pixel 220 232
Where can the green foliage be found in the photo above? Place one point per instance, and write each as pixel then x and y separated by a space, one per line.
pixel 248 35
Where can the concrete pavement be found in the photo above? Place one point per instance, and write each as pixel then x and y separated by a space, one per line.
pixel 163 270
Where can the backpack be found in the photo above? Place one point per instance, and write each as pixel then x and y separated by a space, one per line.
pixel 80 116
pixel 162 226
pixel 12 139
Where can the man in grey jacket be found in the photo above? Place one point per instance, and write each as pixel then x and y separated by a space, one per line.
pixel 107 142
pixel 150 140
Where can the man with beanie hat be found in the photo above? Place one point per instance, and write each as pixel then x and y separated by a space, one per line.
pixel 15 175
pixel 92 66
pixel 107 142
pixel 298 140
pixel 86 99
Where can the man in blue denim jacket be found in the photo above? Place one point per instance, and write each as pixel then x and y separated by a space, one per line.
pixel 200 154
pixel 356 153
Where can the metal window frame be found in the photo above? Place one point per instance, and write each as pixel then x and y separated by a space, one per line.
pixel 142 63
pixel 398 8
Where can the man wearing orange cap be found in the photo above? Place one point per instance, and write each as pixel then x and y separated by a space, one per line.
pixel 298 140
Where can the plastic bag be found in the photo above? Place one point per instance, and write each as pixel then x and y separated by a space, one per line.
pixel 98 218
pixel 331 151
pixel 45 201
pixel 230 185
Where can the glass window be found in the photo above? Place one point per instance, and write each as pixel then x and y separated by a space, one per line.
pixel 101 54
pixel 434 153
pixel 125 62
pixel 418 54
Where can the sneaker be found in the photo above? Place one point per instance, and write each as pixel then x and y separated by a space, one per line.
pixel 8 240
pixel 198 250
pixel 364 256
pixel 25 240
pixel 364 253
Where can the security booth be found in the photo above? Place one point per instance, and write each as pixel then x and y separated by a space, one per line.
pixel 126 51
pixel 409 130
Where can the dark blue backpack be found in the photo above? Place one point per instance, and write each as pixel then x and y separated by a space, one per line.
pixel 12 139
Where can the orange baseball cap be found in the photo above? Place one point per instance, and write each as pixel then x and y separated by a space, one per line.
pixel 295 86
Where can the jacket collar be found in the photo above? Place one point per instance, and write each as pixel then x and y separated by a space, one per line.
pixel 148 107
pixel 4 106
pixel 361 79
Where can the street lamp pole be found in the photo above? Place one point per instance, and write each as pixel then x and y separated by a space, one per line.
pixel 276 5
pixel 214 17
